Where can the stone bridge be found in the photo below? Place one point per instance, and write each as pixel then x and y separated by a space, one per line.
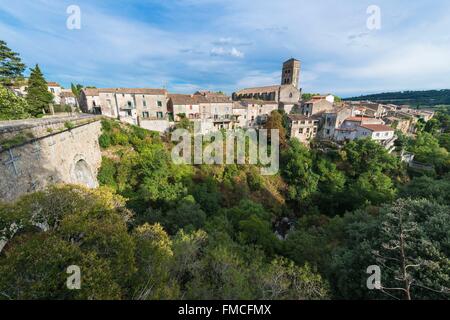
pixel 37 152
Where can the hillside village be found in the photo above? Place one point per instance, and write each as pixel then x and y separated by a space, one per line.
pixel 88 178
pixel 320 117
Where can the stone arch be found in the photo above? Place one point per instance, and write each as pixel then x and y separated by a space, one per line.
pixel 82 173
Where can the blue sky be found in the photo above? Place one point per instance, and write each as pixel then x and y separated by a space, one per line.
pixel 226 44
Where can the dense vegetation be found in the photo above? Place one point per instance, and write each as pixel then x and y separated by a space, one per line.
pixel 156 230
pixel 416 98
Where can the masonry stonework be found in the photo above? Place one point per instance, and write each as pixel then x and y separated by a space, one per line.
pixel 67 156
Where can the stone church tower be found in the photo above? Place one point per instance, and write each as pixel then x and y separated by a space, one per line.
pixel 291 73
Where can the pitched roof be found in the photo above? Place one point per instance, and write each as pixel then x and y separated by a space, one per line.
pixel 182 99
pixel 359 119
pixel 376 127
pixel 297 117
pixel 67 94
pixel 266 89
pixel 260 102
pixel 53 84
pixel 149 91
pixel 90 92
pixel 212 99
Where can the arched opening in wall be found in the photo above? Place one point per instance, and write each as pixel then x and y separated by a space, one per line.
pixel 83 174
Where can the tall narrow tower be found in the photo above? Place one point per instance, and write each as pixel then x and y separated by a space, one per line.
pixel 291 73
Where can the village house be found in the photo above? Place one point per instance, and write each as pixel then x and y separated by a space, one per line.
pixel 368 108
pixel 252 113
pixel 377 132
pixel 184 105
pixel 303 128
pixel 348 130
pixel 216 108
pixel 315 106
pixel 56 90
pixel 403 124
pixel 332 120
pixel 130 104
pixel 68 98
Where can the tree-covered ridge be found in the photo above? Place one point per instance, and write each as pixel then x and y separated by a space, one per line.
pixel 426 98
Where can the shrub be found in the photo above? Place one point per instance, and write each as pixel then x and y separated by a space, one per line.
pixel 107 173
pixel 119 138
pixel 104 140
pixel 69 125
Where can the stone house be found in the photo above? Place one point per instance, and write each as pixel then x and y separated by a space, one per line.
pixel 184 104
pixel 130 104
pixel 333 120
pixel 381 133
pixel 315 106
pixel 252 113
pixel 68 98
pixel 56 90
pixel 303 128
pixel 402 124
pixel 347 131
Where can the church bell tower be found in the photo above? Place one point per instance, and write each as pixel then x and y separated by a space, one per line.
pixel 291 73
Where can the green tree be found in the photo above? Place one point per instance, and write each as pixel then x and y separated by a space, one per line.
pixel 298 172
pixel 185 214
pixel 275 122
pixel 372 187
pixel 38 96
pixel 412 250
pixel 283 280
pixel 154 257
pixel 12 107
pixel 34 267
pixel 11 66
pixel 76 90
pixel 408 240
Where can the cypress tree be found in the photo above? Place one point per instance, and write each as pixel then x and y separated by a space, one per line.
pixel 38 97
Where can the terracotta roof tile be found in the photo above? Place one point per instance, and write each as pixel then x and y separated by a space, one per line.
pixel 376 127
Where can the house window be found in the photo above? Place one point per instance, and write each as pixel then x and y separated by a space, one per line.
pixel 300 131
pixel 144 103
pixel 129 104
pixel 159 104
pixel 159 115
pixel 145 115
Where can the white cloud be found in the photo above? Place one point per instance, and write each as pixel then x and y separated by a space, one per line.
pixel 221 51
pixel 337 51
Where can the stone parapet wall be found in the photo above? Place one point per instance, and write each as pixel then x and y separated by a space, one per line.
pixel 56 153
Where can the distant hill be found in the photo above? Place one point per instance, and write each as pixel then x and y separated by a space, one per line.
pixel 416 98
